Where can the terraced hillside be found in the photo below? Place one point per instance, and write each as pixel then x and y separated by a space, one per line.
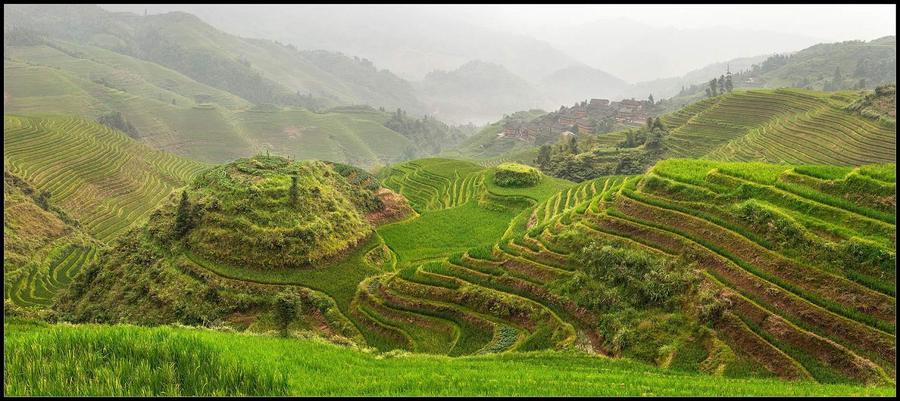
pixel 720 271
pixel 758 234
pixel 101 177
pixel 43 248
pixel 780 126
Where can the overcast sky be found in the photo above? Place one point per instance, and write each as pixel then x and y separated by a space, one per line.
pixel 827 22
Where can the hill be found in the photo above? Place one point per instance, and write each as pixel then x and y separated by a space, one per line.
pixel 281 214
pixel 233 365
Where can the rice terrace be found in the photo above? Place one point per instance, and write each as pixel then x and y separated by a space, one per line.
pixel 409 200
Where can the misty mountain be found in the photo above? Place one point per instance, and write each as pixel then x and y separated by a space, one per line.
pixel 477 92
pixel 579 82
pixel 261 71
pixel 410 41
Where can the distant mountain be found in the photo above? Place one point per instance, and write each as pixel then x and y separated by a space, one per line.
pixel 411 41
pixel 477 92
pixel 260 71
pixel 579 82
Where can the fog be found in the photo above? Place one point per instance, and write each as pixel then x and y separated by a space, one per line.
pixel 633 42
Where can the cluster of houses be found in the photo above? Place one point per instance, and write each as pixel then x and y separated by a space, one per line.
pixel 582 117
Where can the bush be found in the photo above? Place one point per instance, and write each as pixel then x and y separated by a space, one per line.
pixel 287 305
pixel 516 175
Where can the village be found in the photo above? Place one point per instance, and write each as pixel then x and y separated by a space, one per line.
pixel 587 117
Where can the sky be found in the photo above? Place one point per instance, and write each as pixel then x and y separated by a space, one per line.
pixel 829 22
pixel 826 22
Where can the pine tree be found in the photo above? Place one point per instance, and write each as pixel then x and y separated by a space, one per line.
pixel 650 98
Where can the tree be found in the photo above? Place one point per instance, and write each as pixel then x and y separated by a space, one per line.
pixel 287 304
pixel 543 157
pixel 293 191
pixel 183 216
pixel 173 101
pixel 650 99
pixel 629 139
pixel 722 84
pixel 713 88
pixel 729 86
pixel 573 145
pixel 658 124
pixel 649 122
pixel 654 139
pixel 708 93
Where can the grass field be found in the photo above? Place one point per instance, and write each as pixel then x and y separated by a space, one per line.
pixel 54 360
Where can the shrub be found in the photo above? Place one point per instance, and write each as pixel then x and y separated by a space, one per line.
pixel 516 175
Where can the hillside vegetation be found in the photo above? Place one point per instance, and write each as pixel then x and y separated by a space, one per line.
pixel 161 361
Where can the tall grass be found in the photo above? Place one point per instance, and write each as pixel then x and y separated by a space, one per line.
pixel 117 360
pixel 126 361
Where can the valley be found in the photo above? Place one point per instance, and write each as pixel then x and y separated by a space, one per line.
pixel 190 212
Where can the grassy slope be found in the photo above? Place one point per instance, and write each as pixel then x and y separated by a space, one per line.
pixel 240 364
